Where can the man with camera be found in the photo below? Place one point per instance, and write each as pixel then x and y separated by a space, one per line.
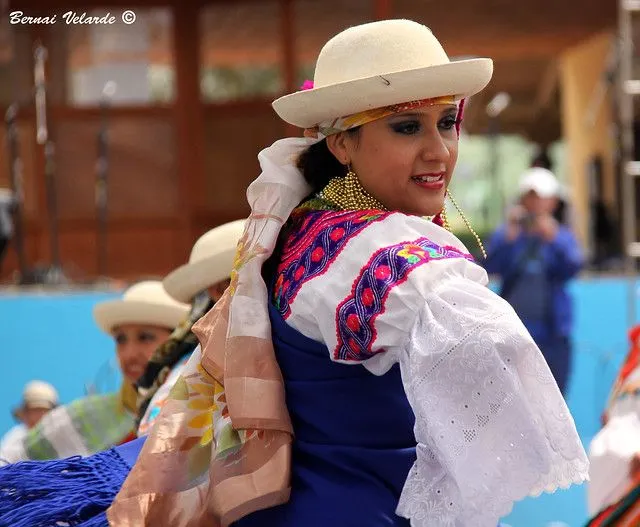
pixel 535 256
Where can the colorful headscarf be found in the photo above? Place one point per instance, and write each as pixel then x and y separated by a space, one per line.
pixel 343 124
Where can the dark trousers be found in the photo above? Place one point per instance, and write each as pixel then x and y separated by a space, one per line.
pixel 557 352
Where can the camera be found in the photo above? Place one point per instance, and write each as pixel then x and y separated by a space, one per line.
pixel 527 221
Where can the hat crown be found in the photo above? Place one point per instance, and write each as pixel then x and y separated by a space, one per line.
pixel 150 292
pixel 377 48
pixel 540 180
pixel 218 240
pixel 40 391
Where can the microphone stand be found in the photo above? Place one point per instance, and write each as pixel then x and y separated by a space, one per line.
pixel 55 274
pixel 15 174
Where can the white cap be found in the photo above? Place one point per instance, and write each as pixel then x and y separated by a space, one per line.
pixel 541 181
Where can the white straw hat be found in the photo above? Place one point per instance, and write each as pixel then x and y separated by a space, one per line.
pixel 210 262
pixel 380 64
pixel 143 303
pixel 39 394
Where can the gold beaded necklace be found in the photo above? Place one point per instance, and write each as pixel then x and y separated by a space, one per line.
pixel 347 193
pixel 445 221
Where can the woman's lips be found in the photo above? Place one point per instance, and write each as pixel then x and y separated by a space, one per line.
pixel 429 181
pixel 133 372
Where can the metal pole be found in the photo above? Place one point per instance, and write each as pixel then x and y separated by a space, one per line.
pixel 494 171
pixel 15 173
pixel 55 274
pixel 626 117
pixel 102 169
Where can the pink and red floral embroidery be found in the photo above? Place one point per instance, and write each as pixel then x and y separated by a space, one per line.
pixel 318 238
pixel 387 268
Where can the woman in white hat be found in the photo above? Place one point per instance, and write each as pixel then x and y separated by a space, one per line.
pixel 38 398
pixel 358 371
pixel 138 322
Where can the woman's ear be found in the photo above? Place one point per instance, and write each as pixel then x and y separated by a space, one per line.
pixel 337 145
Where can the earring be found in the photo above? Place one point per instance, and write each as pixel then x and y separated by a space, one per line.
pixel 348 194
pixel 466 222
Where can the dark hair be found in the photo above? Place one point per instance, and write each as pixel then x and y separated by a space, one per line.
pixel 542 160
pixel 561 212
pixel 318 165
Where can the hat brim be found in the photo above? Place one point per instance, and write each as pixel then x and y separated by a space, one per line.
pixel 113 313
pixel 542 193
pixel 18 411
pixel 308 108
pixel 188 280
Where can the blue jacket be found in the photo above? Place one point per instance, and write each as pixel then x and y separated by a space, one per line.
pixel 562 259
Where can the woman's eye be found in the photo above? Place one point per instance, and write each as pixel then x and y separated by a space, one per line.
pixel 447 123
pixel 120 338
pixel 146 337
pixel 407 127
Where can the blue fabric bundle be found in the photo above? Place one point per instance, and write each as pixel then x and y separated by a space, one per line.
pixel 72 492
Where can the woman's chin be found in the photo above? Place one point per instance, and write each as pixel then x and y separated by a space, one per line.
pixel 429 210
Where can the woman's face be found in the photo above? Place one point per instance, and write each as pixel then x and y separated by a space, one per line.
pixel 31 416
pixel 135 344
pixel 405 160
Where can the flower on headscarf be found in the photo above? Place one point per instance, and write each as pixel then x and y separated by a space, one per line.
pixel 307 85
pixel 245 251
pixel 203 402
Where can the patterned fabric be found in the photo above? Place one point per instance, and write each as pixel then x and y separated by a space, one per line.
pixel 180 344
pixel 387 268
pixel 301 260
pixel 624 513
pixel 627 384
pixel 613 448
pixel 342 124
pixel 160 397
pixel 85 426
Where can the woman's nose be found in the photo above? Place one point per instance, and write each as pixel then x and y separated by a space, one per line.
pixel 435 148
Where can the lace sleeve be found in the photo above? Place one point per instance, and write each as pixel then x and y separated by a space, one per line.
pixel 491 424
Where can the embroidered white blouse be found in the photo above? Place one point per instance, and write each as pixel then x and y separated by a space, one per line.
pixel 491 424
